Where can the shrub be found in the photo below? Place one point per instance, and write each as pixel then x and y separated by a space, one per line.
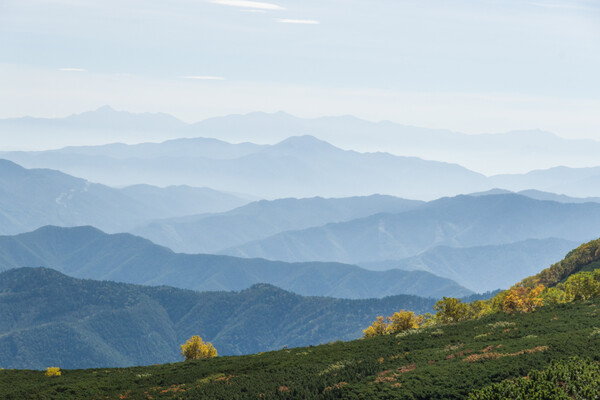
pixel 573 379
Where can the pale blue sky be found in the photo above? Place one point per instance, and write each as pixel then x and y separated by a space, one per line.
pixel 470 65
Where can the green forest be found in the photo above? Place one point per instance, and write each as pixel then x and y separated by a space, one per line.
pixel 518 351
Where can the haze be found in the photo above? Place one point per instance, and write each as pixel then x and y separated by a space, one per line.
pixel 468 66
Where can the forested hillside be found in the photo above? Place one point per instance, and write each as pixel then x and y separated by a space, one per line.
pixel 446 362
pixel 49 318
pixel 86 252
pixel 452 355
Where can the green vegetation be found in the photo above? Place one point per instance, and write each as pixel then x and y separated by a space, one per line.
pixel 88 323
pixel 446 362
pixel 578 259
pixel 575 379
pixel 480 349
pixel 571 279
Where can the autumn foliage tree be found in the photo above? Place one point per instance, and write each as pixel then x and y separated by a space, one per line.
pixel 404 320
pixel 577 277
pixel 398 322
pixel 450 310
pixel 53 371
pixel 195 348
pixel 523 299
pixel 378 327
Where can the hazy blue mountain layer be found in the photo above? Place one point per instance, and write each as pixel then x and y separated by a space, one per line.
pixel 579 182
pixel 300 166
pixel 30 198
pixel 541 195
pixel 86 252
pixel 483 268
pixel 462 221
pixel 209 233
pixel 48 318
pixel 527 150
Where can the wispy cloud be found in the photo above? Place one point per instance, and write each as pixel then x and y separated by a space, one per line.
pixel 72 69
pixel 248 4
pixel 298 21
pixel 205 78
pixel 565 6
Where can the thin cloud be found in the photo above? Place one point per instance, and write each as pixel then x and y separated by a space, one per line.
pixel 248 4
pixel 565 6
pixel 298 21
pixel 72 69
pixel 205 78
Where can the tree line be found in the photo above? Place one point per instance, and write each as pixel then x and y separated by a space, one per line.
pixel 563 282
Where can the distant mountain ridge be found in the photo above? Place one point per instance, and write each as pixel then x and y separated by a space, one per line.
pixel 300 166
pixel 462 221
pixel 528 150
pixel 86 252
pixel 483 268
pixel 540 195
pixel 209 233
pixel 31 198
pixel 295 157
pixel 52 319
pixel 91 127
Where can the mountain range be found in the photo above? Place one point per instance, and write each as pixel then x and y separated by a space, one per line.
pixel 31 198
pixel 461 221
pixel 296 161
pixel 527 150
pixel 301 166
pixel 48 318
pixel 212 232
pixel 379 232
pixel 86 252
pixel 483 268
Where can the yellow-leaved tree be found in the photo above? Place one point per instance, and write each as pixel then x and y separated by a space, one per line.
pixel 378 327
pixel 53 371
pixel 195 348
pixel 403 321
pixel 523 299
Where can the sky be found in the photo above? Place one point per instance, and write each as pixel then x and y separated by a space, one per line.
pixel 474 66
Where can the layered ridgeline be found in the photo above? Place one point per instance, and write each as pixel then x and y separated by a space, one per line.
pixel 507 237
pixel 30 198
pixel 470 222
pixel 445 361
pixel 49 318
pixel 462 221
pixel 527 150
pixel 300 166
pixel 436 237
pixel 210 233
pixel 86 252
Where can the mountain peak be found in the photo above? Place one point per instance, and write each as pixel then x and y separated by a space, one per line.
pixel 303 142
pixel 108 117
pixel 105 109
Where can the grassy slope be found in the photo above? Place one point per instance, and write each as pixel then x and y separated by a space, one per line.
pixel 439 370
